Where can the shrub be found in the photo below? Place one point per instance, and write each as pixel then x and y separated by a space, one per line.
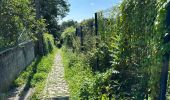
pixel 48 43
pixel 69 39
pixel 86 84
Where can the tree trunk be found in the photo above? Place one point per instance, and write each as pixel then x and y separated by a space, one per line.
pixel 40 36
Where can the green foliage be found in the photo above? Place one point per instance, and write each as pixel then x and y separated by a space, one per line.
pixel 75 64
pixel 48 43
pixel 130 49
pixel 24 76
pixel 52 11
pixel 100 87
pixel 89 39
pixel 68 36
pixel 69 23
pixel 18 22
pixel 85 84
pixel 88 23
pixel 11 20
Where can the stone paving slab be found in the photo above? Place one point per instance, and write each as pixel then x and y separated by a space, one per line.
pixel 56 86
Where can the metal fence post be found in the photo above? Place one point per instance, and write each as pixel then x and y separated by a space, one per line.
pixel 81 37
pixel 76 33
pixel 164 77
pixel 96 24
pixel 164 73
pixel 96 33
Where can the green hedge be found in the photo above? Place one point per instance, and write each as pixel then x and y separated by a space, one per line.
pixel 49 45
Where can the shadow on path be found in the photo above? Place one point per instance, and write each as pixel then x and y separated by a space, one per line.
pixel 27 89
pixel 60 98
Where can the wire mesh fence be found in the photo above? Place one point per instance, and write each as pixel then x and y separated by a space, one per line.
pixel 9 42
pixel 108 32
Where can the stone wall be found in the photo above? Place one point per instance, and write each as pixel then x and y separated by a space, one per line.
pixel 13 61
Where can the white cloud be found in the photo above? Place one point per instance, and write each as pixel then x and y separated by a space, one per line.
pixel 91 4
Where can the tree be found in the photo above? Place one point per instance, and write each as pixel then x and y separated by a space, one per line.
pixel 52 11
pixel 16 16
pixel 69 23
pixel 39 33
pixel 66 24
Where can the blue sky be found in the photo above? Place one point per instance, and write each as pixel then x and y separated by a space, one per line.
pixel 83 9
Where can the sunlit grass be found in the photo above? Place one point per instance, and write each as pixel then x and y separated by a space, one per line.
pixel 76 72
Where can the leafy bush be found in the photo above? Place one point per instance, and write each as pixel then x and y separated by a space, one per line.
pixel 85 84
pixel 38 78
pixel 48 43
pixel 100 87
pixel 69 39
pixel 130 42
pixel 18 22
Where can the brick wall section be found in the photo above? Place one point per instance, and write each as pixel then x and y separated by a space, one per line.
pixel 13 61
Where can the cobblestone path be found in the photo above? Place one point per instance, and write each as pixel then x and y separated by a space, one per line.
pixel 56 86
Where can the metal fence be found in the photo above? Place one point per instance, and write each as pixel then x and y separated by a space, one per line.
pixel 99 28
pixel 22 37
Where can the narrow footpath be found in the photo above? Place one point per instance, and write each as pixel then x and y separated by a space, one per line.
pixel 56 86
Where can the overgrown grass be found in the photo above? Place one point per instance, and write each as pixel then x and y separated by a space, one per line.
pixel 76 72
pixel 84 84
pixel 26 76
pixel 36 74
